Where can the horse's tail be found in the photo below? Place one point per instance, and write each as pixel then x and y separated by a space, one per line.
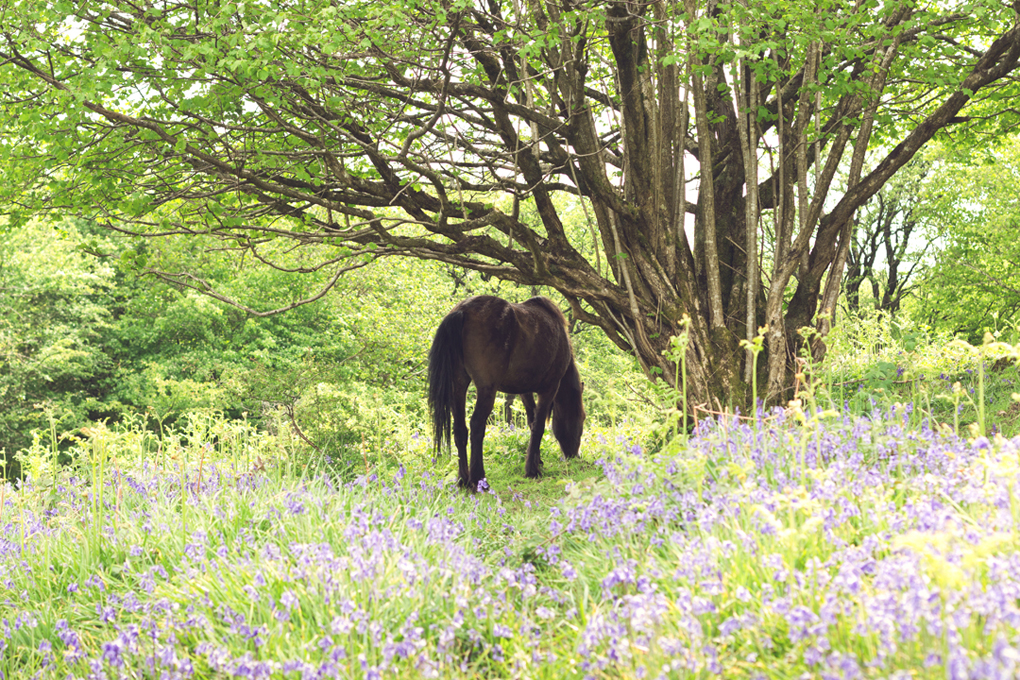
pixel 445 359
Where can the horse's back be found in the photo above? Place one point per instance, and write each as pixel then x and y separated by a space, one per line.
pixel 515 347
pixel 548 306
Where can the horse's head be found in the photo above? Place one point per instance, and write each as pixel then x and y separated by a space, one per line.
pixel 568 413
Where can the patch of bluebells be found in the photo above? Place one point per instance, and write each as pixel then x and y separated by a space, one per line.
pixel 376 578
pixel 825 544
pixel 849 543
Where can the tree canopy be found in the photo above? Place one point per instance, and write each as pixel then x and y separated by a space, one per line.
pixel 458 131
pixel 973 285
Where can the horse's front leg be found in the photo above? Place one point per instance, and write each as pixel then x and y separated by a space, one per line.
pixel 528 399
pixel 533 462
pixel 483 408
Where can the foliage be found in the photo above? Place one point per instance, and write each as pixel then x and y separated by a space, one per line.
pixel 819 543
pixel 85 339
pixel 448 132
pixel 974 284
pixel 52 319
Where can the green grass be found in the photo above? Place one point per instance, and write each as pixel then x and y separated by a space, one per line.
pixel 960 386
pixel 753 558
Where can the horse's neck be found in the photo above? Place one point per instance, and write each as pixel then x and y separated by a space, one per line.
pixel 570 387
pixel 572 377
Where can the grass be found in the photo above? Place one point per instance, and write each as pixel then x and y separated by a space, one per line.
pixel 825 543
pixel 950 382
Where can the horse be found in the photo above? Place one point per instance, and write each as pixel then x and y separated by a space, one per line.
pixel 504 347
pixel 527 399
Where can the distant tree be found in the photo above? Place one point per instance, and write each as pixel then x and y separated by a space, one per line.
pixel 83 339
pixel 423 129
pixel 892 235
pixel 52 320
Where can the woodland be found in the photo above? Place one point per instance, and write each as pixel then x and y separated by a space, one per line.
pixel 785 239
pixel 197 195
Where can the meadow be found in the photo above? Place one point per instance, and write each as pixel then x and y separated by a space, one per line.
pixel 836 541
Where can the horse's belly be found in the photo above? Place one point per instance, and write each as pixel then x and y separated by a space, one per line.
pixel 534 378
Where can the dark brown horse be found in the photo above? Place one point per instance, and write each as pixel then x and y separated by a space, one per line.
pixel 502 347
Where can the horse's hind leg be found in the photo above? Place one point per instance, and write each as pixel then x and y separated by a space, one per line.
pixel 483 408
pixel 528 399
pixel 508 410
pixel 533 462
pixel 460 430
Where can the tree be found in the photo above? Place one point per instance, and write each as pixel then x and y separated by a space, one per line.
pixel 974 284
pixel 52 320
pixel 423 128
pixel 892 235
pixel 82 339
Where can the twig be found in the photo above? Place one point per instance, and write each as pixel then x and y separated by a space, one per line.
pixel 293 422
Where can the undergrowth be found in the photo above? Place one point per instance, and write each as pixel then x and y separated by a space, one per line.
pixel 809 541
pixel 870 527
